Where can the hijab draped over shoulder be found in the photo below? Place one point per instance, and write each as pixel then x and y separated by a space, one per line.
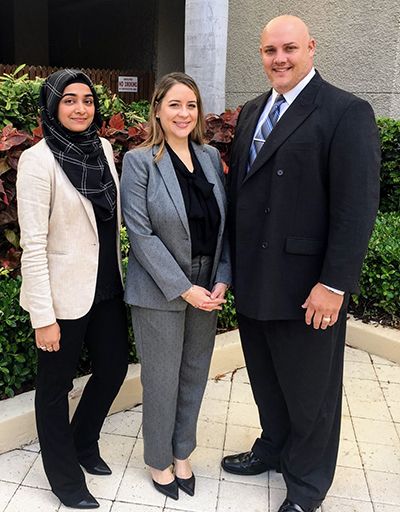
pixel 80 154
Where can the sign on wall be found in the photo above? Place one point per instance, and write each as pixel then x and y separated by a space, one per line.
pixel 127 84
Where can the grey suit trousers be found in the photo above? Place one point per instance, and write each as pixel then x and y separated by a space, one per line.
pixel 174 349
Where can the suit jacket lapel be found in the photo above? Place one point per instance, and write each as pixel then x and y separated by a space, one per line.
pixel 168 175
pixel 294 116
pixel 248 127
pixel 211 174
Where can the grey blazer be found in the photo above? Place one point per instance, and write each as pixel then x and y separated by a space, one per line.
pixel 160 259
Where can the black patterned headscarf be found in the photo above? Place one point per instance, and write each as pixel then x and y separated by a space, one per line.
pixel 80 154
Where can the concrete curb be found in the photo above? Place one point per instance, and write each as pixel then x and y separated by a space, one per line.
pixel 375 339
pixel 17 417
pixel 17 420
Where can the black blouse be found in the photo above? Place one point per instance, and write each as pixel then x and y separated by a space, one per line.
pixel 108 283
pixel 200 203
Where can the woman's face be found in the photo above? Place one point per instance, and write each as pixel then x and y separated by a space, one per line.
pixel 76 108
pixel 178 112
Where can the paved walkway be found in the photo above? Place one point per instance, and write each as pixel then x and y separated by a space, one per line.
pixel 367 477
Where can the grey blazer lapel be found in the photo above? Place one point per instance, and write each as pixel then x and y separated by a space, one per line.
pixel 212 176
pixel 168 175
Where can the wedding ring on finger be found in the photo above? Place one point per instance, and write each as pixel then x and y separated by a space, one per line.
pixel 43 347
pixel 326 318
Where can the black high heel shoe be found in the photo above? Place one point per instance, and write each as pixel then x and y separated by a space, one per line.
pixel 170 490
pixel 186 484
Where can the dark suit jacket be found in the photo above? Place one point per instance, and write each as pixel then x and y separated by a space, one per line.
pixel 305 210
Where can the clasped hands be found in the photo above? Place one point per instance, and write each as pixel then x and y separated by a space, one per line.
pixel 322 307
pixel 201 298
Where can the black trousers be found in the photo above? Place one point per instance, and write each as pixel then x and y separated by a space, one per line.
pixel 296 376
pixel 63 444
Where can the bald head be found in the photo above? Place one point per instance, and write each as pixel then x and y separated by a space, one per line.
pixel 289 23
pixel 287 52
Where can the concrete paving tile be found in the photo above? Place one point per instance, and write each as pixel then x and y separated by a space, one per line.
pixel 379 507
pixel 33 500
pixel 350 483
pixel 137 408
pixel 345 407
pixel 213 411
pixel 136 487
pixel 394 409
pixel 375 431
pixel 382 361
pixel 245 415
pixel 105 487
pixel 374 410
pixel 248 480
pixel 218 390
pixel 105 506
pixel 384 487
pixel 388 373
pixel 368 390
pixel 347 430
pixel 240 439
pixel 7 491
pixel 356 355
pixel 210 435
pixel 205 499
pixel 381 458
pixel 131 507
pixel 36 476
pixel 391 390
pixel 397 425
pixel 235 497
pixel 125 423
pixel 15 465
pixel 33 447
pixel 173 510
pixel 349 455
pixel 241 375
pixel 343 505
pixel 276 480
pixel 241 392
pixel 363 371
pixel 206 462
pixel 115 449
pixel 276 498
pixel 136 459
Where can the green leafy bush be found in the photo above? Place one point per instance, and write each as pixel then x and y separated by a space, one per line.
pixel 390 170
pixel 17 347
pixel 380 277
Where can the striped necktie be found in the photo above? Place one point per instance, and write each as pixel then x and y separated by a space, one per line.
pixel 265 129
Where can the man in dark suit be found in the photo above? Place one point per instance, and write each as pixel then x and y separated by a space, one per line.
pixel 303 195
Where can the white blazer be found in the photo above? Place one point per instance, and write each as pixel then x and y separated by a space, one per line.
pixel 59 238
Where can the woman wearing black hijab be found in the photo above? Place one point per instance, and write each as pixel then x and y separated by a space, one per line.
pixel 69 214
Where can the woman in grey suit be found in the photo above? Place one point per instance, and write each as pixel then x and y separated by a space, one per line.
pixel 174 207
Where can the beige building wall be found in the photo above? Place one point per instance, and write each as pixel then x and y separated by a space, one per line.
pixel 358 47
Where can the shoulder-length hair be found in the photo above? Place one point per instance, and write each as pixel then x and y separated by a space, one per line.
pixel 156 134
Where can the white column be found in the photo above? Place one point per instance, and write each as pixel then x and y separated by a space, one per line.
pixel 206 33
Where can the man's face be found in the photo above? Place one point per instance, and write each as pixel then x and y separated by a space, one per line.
pixel 287 53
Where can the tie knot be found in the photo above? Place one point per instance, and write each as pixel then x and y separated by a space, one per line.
pixel 279 100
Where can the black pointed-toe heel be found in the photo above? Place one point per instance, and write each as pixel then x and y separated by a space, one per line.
pixel 87 501
pixel 170 490
pixel 186 484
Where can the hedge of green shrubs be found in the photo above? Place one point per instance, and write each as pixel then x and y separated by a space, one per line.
pixel 124 127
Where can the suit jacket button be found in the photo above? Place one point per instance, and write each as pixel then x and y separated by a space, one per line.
pixel 267 210
pixel 279 172
pixel 264 245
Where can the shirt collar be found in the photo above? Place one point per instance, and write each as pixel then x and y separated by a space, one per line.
pixel 291 95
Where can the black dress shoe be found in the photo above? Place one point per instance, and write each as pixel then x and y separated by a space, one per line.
pixel 186 484
pixel 86 502
pixel 170 490
pixel 289 506
pixel 97 468
pixel 246 463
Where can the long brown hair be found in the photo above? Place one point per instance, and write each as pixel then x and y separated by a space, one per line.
pixel 155 132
